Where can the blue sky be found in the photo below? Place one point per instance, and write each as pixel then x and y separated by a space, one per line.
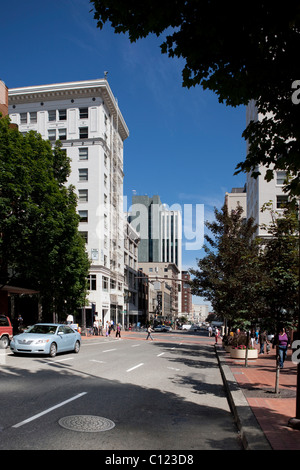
pixel 183 145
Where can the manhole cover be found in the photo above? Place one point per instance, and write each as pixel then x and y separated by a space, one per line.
pixel 86 423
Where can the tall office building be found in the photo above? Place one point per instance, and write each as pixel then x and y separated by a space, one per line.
pixel 259 191
pixel 160 231
pixel 86 118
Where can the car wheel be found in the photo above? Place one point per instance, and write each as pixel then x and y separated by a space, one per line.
pixel 4 342
pixel 77 347
pixel 53 350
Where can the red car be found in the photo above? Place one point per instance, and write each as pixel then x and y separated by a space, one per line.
pixel 6 331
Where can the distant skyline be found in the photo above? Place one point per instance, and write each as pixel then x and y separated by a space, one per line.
pixel 183 144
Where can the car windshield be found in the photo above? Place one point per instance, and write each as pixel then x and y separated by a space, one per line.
pixel 42 329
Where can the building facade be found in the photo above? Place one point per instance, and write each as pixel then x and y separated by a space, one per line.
pixel 165 279
pixel 84 116
pixel 259 191
pixel 237 197
pixel 160 230
pixel 186 295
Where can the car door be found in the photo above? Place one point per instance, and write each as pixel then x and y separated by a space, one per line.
pixel 64 339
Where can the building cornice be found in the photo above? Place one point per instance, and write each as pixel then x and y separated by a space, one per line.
pixel 72 90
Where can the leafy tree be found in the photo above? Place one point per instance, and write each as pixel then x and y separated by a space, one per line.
pixel 229 274
pixel 280 261
pixel 240 52
pixel 40 246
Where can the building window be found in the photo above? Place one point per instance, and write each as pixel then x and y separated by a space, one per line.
pixel 52 115
pixel 83 195
pixel 83 113
pixel 62 114
pixel 112 284
pixel 52 135
pixel 62 134
pixel 84 235
pixel 83 215
pixel 33 117
pixel 23 118
pixel 281 201
pixel 280 177
pixel 92 282
pixel 105 283
pixel 83 153
pixel 83 132
pixel 83 174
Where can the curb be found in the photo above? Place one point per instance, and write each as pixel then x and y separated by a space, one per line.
pixel 251 433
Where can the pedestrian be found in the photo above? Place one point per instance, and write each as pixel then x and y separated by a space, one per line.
pixel 20 323
pixel 252 338
pixel 256 335
pixel 262 341
pixel 217 333
pixel 95 327
pixel 100 328
pixel 209 330
pixel 118 332
pixel 149 330
pixel 282 341
pixel 70 319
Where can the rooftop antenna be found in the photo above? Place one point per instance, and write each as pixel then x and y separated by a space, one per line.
pixel 105 74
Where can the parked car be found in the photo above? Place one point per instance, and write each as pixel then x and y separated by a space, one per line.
pixel 162 328
pixel 6 331
pixel 46 338
pixel 186 327
pixel 195 328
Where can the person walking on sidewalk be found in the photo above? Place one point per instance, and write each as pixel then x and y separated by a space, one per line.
pixel 282 341
pixel 217 334
pixel 262 341
pixel 118 332
pixel 149 330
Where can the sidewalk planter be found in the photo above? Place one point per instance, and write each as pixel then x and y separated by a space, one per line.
pixel 241 353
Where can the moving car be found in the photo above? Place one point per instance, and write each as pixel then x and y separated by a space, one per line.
pixel 46 338
pixel 162 328
pixel 195 328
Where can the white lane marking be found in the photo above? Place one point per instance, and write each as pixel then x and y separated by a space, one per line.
pixel 160 354
pixel 172 368
pixel 135 367
pixel 95 360
pixel 108 350
pixel 135 345
pixel 60 360
pixel 48 410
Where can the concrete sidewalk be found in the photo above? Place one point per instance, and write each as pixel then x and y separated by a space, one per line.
pixel 261 415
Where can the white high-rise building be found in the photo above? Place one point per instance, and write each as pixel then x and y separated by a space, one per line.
pixel 259 191
pixel 86 118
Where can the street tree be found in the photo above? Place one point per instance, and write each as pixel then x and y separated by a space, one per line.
pixel 229 275
pixel 279 258
pixel 40 246
pixel 241 53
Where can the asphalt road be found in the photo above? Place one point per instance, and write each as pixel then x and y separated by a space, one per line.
pixel 118 394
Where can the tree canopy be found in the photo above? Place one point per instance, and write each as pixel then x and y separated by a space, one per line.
pixel 240 52
pixel 228 276
pixel 40 246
